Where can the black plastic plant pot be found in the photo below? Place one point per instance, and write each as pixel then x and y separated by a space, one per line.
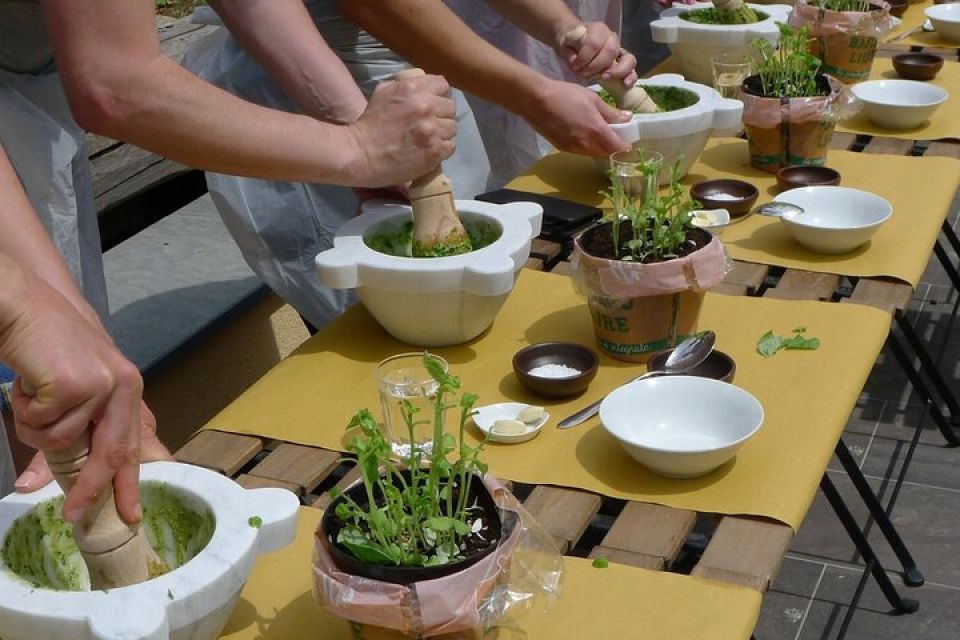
pixel 330 525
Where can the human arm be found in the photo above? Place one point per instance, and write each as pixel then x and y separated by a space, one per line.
pixel 281 37
pixel 598 56
pixel 120 84
pixel 570 116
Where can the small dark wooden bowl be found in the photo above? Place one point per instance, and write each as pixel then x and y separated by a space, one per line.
pixel 898 7
pixel 568 353
pixel 806 176
pixel 718 366
pixel 917 66
pixel 736 196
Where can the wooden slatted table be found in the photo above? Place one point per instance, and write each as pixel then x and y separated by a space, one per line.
pixel 744 551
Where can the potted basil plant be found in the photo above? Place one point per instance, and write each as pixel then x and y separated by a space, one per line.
pixel 644 271
pixel 844 33
pixel 790 107
pixel 428 526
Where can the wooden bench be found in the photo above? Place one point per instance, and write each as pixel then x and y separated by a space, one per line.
pixel 132 187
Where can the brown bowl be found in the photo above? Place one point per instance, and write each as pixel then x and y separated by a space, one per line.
pixel 562 353
pixel 736 196
pixel 917 66
pixel 898 7
pixel 718 366
pixel 806 176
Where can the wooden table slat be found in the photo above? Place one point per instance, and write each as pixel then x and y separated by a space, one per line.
pixel 220 451
pixel 650 530
pixel 248 481
pixel 745 551
pixel 747 274
pixel 804 285
pixel 348 478
pixel 888 296
pixel 546 249
pixel 305 467
pixel 891 146
pixel 563 513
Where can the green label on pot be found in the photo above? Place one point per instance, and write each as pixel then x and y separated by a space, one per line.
pixel 637 349
pixel 847 74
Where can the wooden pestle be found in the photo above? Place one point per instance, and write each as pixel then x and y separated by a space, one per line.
pixel 116 553
pixel 634 98
pixel 437 229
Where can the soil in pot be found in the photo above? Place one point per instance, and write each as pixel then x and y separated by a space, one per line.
pixel 633 329
pixel 800 142
pixel 478 544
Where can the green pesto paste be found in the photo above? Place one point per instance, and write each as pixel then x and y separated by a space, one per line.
pixel 667 98
pixel 40 548
pixel 394 237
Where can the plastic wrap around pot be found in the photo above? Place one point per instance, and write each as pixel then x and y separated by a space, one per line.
pixel 700 270
pixel 523 572
pixel 845 41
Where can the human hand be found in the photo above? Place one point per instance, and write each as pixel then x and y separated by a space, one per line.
pixel 78 382
pixel 405 132
pixel 576 119
pixel 38 475
pixel 596 55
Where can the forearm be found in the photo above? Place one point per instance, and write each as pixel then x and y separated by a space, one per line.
pixel 119 84
pixel 25 242
pixel 443 44
pixel 281 37
pixel 546 20
pixel 14 291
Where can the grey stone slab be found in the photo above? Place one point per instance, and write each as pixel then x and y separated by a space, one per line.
pixel 173 279
pixel 937 619
pixel 887 381
pixel 933 465
pixel 859 445
pixel 866 416
pixel 787 601
pixel 821 536
pixel 899 422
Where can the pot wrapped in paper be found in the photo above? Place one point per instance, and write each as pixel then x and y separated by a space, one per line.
pixel 699 270
pixel 524 571
pixel 845 41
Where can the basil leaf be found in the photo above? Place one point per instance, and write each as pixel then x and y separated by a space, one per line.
pixel 769 344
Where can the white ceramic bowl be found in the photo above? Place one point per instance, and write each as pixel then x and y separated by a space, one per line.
pixel 681 426
pixel 835 219
pixel 486 417
pixel 946 20
pixel 899 104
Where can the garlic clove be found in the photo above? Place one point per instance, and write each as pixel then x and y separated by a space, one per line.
pixel 508 427
pixel 531 414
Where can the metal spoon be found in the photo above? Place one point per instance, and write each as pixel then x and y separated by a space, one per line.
pixel 684 357
pixel 777 209
pixel 926 26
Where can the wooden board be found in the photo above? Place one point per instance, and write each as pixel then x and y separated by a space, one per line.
pixel 223 452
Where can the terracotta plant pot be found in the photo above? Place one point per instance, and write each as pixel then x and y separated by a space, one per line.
pixel 639 309
pixel 846 41
pixel 791 131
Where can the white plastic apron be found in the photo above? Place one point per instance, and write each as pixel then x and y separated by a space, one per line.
pixel 512 144
pixel 280 226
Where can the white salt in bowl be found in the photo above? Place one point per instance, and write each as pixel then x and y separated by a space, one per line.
pixel 556 369
pixel 681 426
pixel 900 104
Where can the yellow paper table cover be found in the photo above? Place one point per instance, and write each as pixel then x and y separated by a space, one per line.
pixel 945 122
pixel 807 396
pixel 912 19
pixel 616 602
pixel 921 191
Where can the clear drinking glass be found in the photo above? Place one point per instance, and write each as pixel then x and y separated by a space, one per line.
pixel 404 377
pixel 729 72
pixel 637 170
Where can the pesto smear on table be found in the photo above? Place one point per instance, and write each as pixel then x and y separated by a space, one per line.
pixel 40 548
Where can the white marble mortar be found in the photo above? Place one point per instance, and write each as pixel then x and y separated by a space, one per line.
pixel 431 302
pixel 192 602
